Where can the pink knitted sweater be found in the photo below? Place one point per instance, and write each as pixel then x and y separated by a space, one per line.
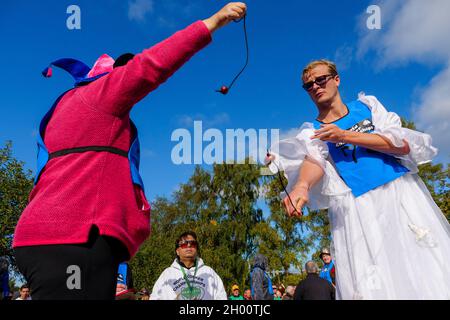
pixel 78 191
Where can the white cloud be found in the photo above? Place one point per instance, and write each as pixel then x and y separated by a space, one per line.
pixel 413 30
pixel 416 31
pixel 138 9
pixel 343 57
pixel 147 153
pixel 432 113
pixel 168 14
pixel 184 8
pixel 166 22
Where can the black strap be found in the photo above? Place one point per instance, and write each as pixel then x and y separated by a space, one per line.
pixel 246 48
pixel 353 152
pixel 64 152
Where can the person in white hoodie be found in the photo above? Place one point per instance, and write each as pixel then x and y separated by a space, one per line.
pixel 188 278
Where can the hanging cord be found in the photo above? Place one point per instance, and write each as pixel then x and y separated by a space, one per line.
pixel 284 188
pixel 225 89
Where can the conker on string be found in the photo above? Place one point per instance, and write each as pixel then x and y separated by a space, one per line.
pixel 223 90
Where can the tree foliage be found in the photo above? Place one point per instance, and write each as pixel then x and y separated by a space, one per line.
pixel 221 208
pixel 15 186
pixel 436 178
pixel 283 239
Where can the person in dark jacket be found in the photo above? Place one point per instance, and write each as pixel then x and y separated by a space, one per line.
pixel 261 284
pixel 314 287
pixel 4 279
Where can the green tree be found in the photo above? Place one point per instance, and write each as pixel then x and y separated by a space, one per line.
pixel 436 178
pixel 221 208
pixel 157 252
pixel 15 186
pixel 282 239
pixel 237 188
pixel 319 231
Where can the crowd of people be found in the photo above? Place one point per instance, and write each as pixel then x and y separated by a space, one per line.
pixel 318 284
pixel 189 278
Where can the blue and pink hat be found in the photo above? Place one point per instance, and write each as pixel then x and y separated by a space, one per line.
pixel 80 71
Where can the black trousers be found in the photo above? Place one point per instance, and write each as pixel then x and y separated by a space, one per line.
pixel 73 271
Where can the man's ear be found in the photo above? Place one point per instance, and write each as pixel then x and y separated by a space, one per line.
pixel 338 80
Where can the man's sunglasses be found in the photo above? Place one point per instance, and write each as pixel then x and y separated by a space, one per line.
pixel 184 244
pixel 320 81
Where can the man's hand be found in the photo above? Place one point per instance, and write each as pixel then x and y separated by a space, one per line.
pixel 232 11
pixel 329 132
pixel 299 196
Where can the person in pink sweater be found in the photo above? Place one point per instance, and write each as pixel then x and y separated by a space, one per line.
pixel 87 211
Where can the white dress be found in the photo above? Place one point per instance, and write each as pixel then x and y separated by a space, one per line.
pixel 392 242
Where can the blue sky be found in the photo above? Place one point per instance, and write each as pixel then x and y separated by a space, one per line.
pixel 405 64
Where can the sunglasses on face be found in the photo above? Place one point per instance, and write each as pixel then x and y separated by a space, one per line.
pixel 187 243
pixel 320 81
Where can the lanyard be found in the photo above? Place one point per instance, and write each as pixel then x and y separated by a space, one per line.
pixel 185 276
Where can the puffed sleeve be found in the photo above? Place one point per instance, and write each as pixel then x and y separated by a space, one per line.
pixel 289 156
pixel 389 125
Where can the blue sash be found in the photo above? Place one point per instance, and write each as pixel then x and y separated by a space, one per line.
pixel 361 169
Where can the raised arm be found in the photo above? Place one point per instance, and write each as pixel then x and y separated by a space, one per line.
pixel 117 92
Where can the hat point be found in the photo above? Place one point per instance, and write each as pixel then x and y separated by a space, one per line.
pixel 47 72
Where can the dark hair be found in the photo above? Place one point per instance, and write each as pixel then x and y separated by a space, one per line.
pixel 25 286
pixel 123 60
pixel 185 235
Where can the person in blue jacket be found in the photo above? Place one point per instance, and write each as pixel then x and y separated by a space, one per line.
pixel 328 271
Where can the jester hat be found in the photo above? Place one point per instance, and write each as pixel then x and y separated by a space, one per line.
pixel 80 71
